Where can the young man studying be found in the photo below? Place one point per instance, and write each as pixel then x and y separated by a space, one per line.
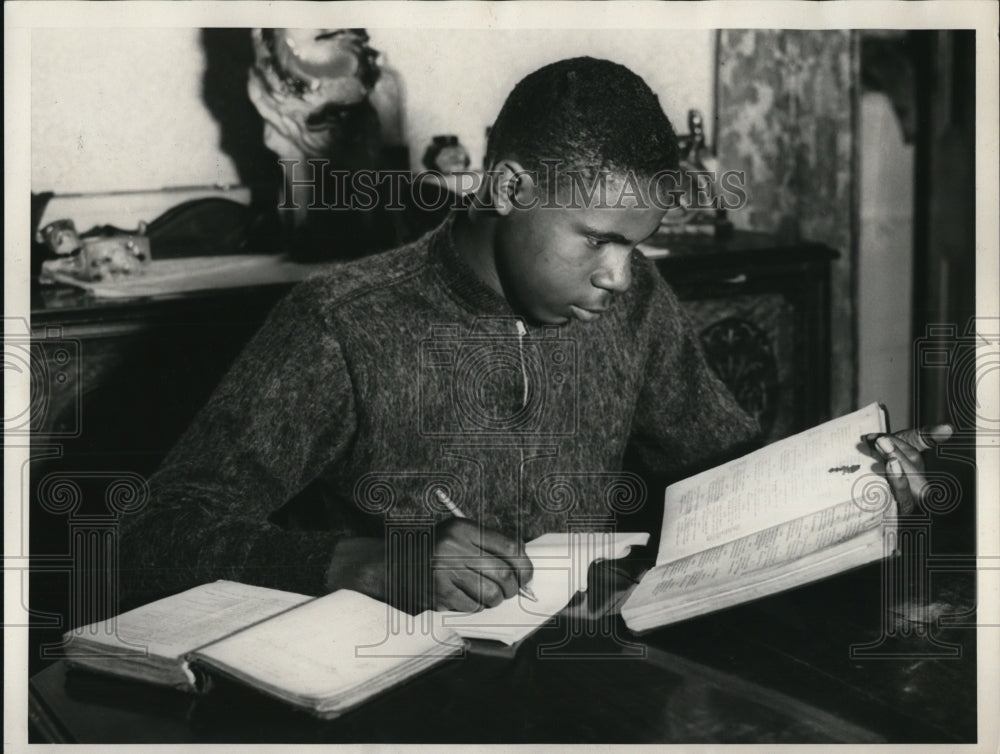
pixel 523 341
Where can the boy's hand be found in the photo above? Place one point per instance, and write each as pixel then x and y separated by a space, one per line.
pixel 475 567
pixel 471 567
pixel 904 466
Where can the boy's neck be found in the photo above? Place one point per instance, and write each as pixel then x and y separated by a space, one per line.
pixel 473 236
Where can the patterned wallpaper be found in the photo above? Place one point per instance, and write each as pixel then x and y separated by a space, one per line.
pixel 786 115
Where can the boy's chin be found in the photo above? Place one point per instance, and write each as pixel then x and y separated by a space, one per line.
pixel 546 319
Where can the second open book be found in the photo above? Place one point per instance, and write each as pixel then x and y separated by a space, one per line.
pixel 798 510
pixel 326 654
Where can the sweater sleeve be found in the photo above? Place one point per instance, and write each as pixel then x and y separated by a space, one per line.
pixel 282 413
pixel 686 419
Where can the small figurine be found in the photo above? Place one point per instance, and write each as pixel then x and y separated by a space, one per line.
pixel 446 155
pixel 696 139
pixel 697 211
pixel 60 237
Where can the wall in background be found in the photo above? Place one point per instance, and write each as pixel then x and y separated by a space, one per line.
pixel 456 82
pixel 786 109
pixel 140 109
pixel 119 110
pixel 885 261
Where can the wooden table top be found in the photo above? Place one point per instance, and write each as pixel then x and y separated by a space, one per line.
pixel 777 670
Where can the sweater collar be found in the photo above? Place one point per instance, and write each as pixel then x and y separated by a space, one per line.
pixel 459 277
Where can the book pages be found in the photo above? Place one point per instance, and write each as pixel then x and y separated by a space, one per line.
pixel 778 545
pixel 791 478
pixel 654 603
pixel 175 625
pixel 315 656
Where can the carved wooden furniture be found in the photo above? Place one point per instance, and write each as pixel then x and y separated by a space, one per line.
pixel 762 308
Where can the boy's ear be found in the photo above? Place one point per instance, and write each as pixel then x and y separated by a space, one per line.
pixel 511 187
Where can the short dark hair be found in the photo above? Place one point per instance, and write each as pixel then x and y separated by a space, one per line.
pixel 589 115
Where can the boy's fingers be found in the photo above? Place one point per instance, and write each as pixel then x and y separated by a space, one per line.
pixel 453 597
pixel 912 477
pixel 521 564
pixel 509 550
pixel 498 571
pixel 900 486
pixel 927 438
pixel 498 544
pixel 890 445
pixel 473 586
pixel 505 579
pixel 935 435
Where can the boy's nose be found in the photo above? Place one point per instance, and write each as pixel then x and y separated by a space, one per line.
pixel 615 274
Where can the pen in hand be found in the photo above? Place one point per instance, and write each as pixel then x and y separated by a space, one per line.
pixel 447 502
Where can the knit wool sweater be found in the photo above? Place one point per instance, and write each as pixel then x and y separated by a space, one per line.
pixel 385 379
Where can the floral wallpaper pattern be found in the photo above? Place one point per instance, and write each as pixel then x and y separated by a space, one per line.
pixel 786 117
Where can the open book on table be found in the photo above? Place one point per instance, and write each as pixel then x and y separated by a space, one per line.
pixel 801 509
pixel 325 654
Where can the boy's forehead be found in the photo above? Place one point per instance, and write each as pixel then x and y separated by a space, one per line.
pixel 602 192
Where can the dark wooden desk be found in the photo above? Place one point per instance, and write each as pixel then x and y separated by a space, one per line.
pixel 779 670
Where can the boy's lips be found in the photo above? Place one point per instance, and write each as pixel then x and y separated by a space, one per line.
pixel 585 315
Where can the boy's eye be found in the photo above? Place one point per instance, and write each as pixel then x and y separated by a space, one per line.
pixel 595 243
